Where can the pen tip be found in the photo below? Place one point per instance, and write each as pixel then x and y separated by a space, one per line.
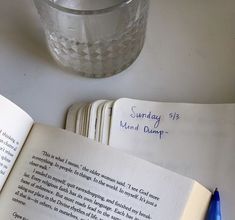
pixel 216 195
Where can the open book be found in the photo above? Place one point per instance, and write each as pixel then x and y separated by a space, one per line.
pixel 49 173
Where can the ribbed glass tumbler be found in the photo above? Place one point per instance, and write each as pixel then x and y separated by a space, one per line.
pixel 95 38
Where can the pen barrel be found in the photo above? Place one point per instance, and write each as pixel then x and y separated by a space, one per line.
pixel 217 211
pixel 214 211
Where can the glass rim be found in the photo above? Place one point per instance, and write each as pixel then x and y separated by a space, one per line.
pixel 88 12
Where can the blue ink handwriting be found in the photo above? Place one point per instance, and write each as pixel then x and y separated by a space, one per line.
pixel 158 133
pixel 174 116
pixel 126 126
pixel 149 115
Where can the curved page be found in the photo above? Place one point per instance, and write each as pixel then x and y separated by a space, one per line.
pixel 15 125
pixel 60 175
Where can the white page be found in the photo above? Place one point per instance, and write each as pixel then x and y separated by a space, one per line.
pixel 88 113
pixel 15 125
pixel 84 120
pixel 56 164
pixel 80 119
pixel 106 121
pixel 71 118
pixel 192 139
pixel 98 122
pixel 93 118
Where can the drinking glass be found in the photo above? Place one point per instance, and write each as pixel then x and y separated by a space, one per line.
pixel 96 38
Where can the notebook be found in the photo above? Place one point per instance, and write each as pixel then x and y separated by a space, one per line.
pixel 195 140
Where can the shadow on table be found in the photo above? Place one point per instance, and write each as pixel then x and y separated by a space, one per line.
pixel 33 42
pixel 24 36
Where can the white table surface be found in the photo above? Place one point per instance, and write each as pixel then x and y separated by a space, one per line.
pixel 189 56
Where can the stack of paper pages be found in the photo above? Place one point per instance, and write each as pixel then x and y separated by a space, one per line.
pixel 196 140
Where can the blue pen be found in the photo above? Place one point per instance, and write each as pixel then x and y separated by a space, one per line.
pixel 214 212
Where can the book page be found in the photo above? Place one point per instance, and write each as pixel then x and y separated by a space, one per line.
pixel 15 125
pixel 71 118
pixel 195 140
pixel 106 121
pixel 93 119
pixel 60 175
